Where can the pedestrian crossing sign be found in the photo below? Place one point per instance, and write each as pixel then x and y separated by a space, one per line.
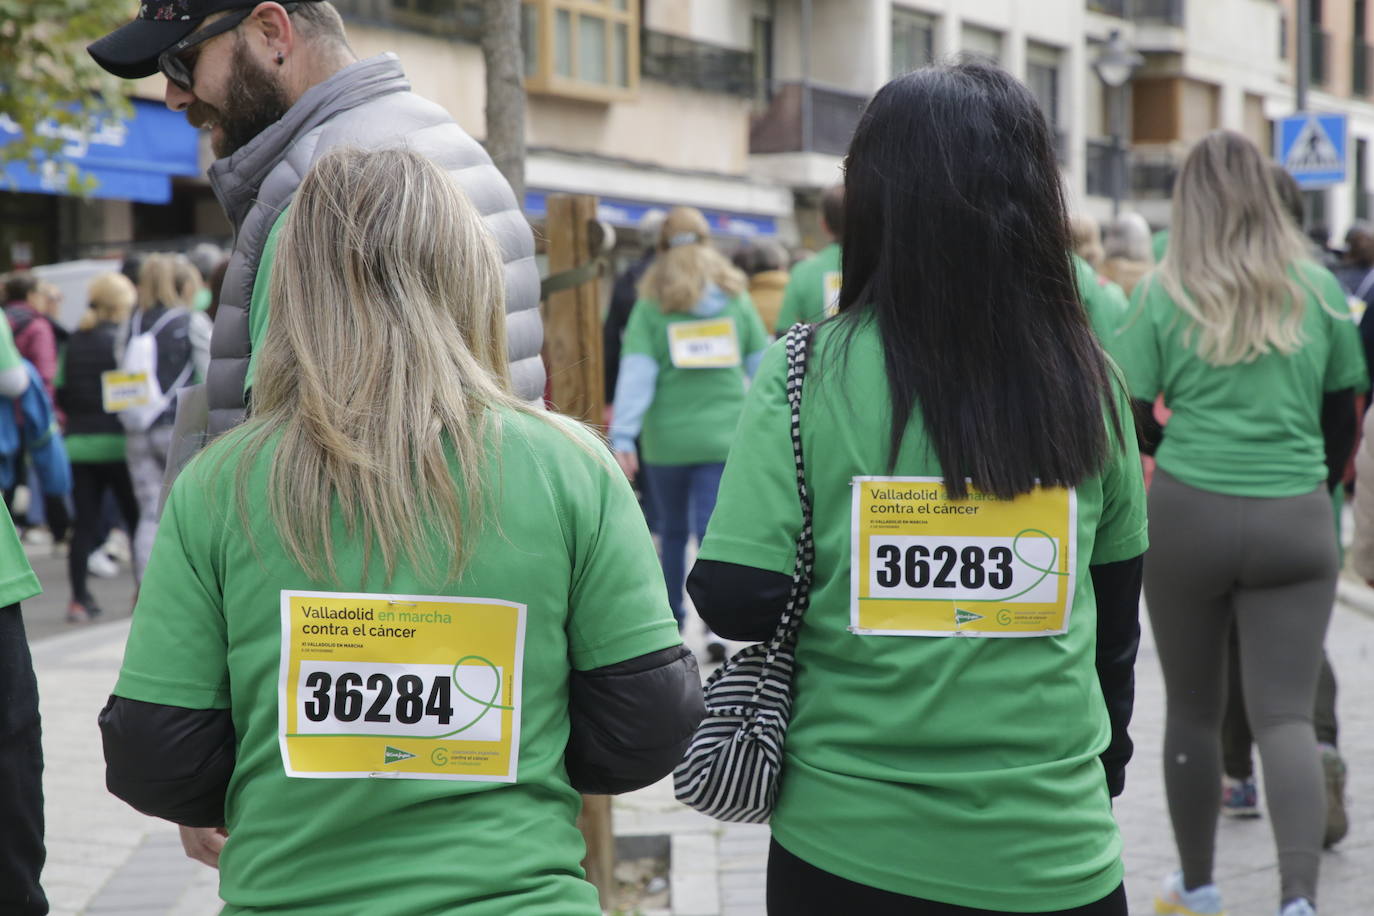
pixel 1313 148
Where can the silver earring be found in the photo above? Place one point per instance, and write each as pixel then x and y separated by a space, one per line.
pixel 281 59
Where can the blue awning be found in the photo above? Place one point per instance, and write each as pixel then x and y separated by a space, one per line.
pixel 133 159
pixel 620 212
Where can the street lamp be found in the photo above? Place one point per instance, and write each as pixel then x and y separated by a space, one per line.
pixel 1115 64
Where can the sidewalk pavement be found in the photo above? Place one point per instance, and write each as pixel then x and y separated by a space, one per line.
pixel 103 857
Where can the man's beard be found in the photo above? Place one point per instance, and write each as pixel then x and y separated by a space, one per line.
pixel 254 101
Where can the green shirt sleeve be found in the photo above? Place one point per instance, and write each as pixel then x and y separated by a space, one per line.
pixel 1136 347
pixel 1122 531
pixel 758 515
pixel 260 306
pixel 177 650
pixel 9 353
pixel 618 607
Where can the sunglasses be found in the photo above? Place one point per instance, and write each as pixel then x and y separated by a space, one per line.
pixel 179 70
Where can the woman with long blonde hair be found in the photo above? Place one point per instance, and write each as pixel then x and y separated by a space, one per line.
pixel 397 620
pixel 692 342
pixel 163 313
pixel 1252 346
pixel 95 439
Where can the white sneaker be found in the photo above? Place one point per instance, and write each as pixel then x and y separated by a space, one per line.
pixel 100 564
pixel 1300 907
pixel 117 546
pixel 1173 900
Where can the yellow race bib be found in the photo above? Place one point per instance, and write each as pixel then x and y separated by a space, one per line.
pixel 401 686
pixel 707 344
pixel 120 391
pixel 926 565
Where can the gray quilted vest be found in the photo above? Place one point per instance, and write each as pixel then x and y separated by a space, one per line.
pixel 369 105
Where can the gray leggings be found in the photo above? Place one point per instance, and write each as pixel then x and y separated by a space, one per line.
pixel 1271 565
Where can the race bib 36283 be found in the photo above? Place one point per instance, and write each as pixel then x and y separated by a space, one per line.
pixel 401 686
pixel 926 565
pixel 711 343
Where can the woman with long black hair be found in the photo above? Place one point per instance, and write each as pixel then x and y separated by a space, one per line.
pixel 973 477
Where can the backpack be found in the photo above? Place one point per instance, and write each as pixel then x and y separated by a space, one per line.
pixel 132 390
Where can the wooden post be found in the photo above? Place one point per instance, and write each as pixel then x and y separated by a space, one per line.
pixel 574 358
pixel 572 318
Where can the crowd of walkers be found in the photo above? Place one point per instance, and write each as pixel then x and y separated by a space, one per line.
pixel 396 615
pixel 85 475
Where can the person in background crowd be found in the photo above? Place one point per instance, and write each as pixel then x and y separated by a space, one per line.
pixel 21 748
pixel 178 354
pixel 693 340
pixel 190 286
pixel 623 297
pixel 1087 239
pixel 1357 277
pixel 797 255
pixel 1320 238
pixel 1253 349
pixel 95 439
pixel 1240 792
pixel 814 285
pixel 33 332
pixel 205 257
pixel 625 293
pixel 764 261
pixel 240 67
pixel 1128 256
pixel 388 456
pixel 1103 300
pixel 929 775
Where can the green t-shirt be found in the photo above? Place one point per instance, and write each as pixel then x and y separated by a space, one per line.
pixel 207 634
pixel 693 414
pixel 811 287
pixel 260 305
pixel 1252 429
pixel 17 581
pixel 1105 302
pixel 960 770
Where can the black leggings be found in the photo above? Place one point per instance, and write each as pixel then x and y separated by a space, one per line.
pixel 90 481
pixel 798 888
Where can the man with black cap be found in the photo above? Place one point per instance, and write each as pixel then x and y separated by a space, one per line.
pixel 277 86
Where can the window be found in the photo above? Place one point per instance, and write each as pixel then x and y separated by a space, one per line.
pixel 1042 76
pixel 983 42
pixel 913 40
pixel 581 48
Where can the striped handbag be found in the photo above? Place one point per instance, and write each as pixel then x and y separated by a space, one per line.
pixel 731 767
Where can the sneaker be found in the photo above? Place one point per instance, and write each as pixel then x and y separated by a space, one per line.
pixel 77 613
pixel 1337 824
pixel 38 537
pixel 1173 900
pixel 117 546
pixel 1239 797
pixel 1299 907
pixel 99 563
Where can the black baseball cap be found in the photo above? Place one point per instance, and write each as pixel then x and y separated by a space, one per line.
pixel 130 51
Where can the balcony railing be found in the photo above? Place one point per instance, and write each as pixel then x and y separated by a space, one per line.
pixel 1115 8
pixel 834 115
pixel 696 64
pixel 1153 172
pixel 1098 163
pixel 1360 58
pixel 1165 12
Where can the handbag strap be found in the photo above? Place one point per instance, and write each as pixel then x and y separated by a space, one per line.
pixel 798 347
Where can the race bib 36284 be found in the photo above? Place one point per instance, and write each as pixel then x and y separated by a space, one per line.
pixel 401 686
pixel 926 565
